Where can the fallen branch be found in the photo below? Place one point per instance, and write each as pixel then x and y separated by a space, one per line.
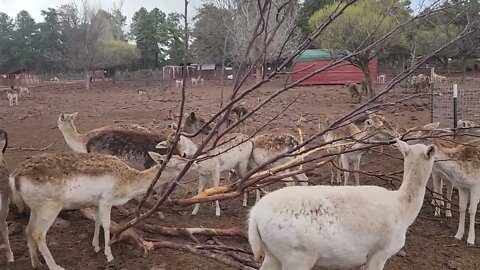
pixel 201 252
pixel 189 232
pixel 35 149
pixel 130 235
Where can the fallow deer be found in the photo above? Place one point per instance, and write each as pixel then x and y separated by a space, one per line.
pixel 49 183
pixel 377 128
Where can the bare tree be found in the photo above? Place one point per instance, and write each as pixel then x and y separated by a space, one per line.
pixel 256 176
pixel 82 41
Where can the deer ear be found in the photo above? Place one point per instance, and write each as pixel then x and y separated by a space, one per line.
pixel 74 115
pixel 162 145
pixel 403 147
pixel 432 126
pixel 62 116
pixel 173 127
pixel 157 157
pixel 430 152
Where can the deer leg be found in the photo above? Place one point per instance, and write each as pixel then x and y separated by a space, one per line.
pixel 356 167
pixel 216 182
pixel 448 211
pixel 472 210
pixel 346 166
pixel 96 232
pixel 462 207
pixel 32 245
pixel 437 189
pixel 104 209
pixel 201 185
pixel 44 219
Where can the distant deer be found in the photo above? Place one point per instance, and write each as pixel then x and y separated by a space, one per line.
pixel 178 83
pixel 143 93
pixel 24 91
pixel 355 93
pixel 12 96
pixel 381 78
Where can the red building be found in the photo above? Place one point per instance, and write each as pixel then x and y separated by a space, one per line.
pixel 344 72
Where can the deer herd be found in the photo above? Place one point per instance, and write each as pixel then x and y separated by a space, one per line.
pixel 420 83
pixel 296 227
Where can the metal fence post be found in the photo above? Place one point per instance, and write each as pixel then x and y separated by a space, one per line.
pixel 455 105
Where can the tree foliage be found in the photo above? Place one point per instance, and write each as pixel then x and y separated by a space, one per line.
pixel 158 36
pixel 362 24
pixel 210 33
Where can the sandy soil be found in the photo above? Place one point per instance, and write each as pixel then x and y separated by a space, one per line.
pixel 430 243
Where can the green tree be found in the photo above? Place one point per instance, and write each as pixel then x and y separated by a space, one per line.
pixel 158 37
pixel 50 39
pixel 309 7
pixel 144 32
pixel 360 26
pixel 25 40
pixel 113 54
pixel 175 38
pixel 210 33
pixel 6 40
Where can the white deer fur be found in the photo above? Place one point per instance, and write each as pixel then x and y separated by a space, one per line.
pixel 381 78
pixel 49 183
pixel 196 81
pixel 12 97
pixel 24 91
pixel 5 194
pixel 178 83
pixel 435 78
pixel 377 128
pixel 231 154
pixel 297 228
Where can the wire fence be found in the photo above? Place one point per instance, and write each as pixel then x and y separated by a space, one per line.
pixel 468 101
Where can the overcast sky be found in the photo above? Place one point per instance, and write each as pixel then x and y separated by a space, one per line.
pixel 34 7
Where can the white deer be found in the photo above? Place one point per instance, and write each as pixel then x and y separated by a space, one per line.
pixel 297 228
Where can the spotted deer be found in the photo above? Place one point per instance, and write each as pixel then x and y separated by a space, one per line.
pixel 377 128
pixel 49 183
pixel 268 146
pixel 461 165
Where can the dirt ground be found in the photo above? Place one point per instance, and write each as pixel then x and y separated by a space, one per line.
pixel 430 243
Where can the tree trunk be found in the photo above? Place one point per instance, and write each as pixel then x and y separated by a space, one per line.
pixel 156 60
pixel 87 79
pixel 258 73
pixel 368 79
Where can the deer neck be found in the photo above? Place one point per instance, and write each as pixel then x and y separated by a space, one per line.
pixel 76 141
pixel 139 181
pixel 360 135
pixel 412 190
